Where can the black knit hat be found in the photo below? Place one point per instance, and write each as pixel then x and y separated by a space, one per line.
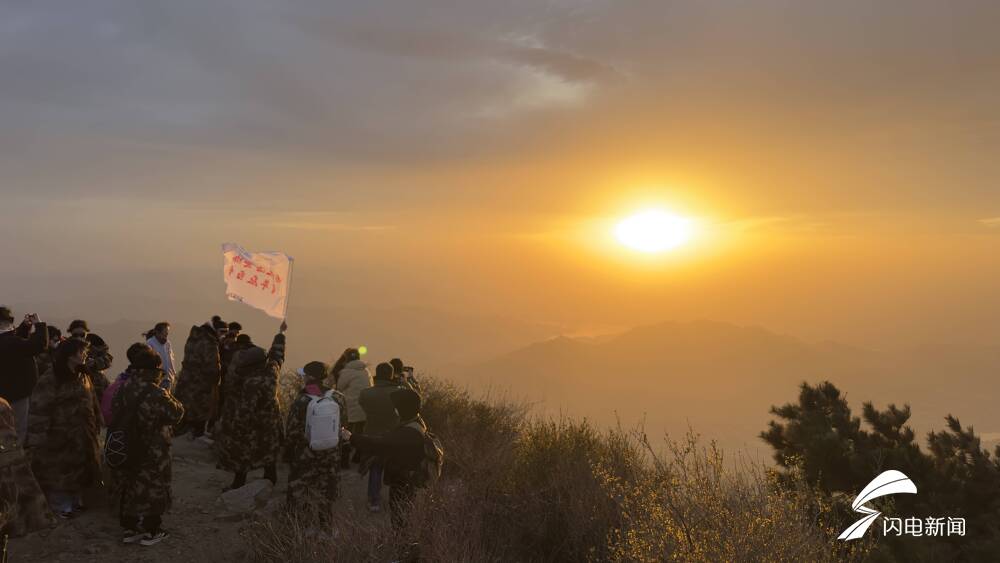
pixel 315 370
pixel 6 315
pixel 406 402
pixel 78 324
pixel 235 326
pixel 243 339
pixel 219 324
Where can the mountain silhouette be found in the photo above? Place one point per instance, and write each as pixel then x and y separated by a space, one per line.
pixel 717 378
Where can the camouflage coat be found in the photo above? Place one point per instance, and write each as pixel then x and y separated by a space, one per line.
pixel 252 428
pixel 314 479
pixel 44 360
pixel 99 360
pixel 145 487
pixel 198 381
pixel 63 424
pixel 23 508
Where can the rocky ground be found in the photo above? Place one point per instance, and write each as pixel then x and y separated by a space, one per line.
pixel 202 526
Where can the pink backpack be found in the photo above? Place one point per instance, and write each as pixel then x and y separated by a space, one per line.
pixel 109 396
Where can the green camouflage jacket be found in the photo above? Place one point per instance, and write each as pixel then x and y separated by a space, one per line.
pixel 198 380
pixel 252 428
pixel 145 485
pixel 63 425
pixel 23 507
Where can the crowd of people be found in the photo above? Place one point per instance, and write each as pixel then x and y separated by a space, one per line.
pixel 66 429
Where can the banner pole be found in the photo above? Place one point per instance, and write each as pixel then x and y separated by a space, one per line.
pixel 288 294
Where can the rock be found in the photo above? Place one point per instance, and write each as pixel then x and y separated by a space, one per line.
pixel 248 497
pixel 231 517
pixel 273 506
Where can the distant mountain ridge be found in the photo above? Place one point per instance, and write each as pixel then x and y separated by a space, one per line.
pixel 720 378
pixel 426 338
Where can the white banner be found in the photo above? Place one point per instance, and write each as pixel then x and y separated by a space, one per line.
pixel 258 279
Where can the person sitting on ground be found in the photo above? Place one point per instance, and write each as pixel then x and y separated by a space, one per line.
pixel 99 358
pixel 352 376
pixel 402 448
pixel 314 476
pixel 62 430
pixel 23 508
pixel 381 418
pixel 159 340
pixel 252 429
pixel 18 349
pixel 198 380
pixel 144 483
pixel 404 375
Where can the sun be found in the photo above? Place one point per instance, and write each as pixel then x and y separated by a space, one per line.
pixel 653 231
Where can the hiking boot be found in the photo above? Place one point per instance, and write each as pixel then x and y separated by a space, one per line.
pixel 153 539
pixel 132 536
pixel 204 439
pixel 66 514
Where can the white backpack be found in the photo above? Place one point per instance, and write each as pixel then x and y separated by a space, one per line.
pixel 323 422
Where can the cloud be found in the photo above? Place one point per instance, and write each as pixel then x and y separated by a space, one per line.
pixel 199 99
pixel 305 226
pixel 320 221
pixel 990 223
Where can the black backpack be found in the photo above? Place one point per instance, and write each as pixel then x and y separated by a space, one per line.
pixel 122 448
pixel 428 471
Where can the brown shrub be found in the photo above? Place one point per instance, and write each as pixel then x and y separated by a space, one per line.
pixel 517 488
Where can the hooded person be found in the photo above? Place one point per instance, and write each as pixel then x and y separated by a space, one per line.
pixel 99 358
pixel 144 484
pixel 252 429
pixel 107 401
pixel 402 450
pixel 23 508
pixel 352 376
pixel 314 476
pixel 44 360
pixel 228 348
pixel 198 380
pixel 63 427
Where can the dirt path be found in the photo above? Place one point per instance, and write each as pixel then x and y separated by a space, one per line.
pixel 201 529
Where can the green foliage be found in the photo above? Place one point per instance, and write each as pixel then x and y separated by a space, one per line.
pixel 955 477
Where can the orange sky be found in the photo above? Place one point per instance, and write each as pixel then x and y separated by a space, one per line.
pixel 842 158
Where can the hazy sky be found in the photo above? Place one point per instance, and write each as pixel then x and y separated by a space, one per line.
pixel 841 157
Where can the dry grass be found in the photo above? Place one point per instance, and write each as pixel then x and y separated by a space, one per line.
pixel 522 489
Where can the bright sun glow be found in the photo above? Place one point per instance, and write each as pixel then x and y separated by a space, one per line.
pixel 654 230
